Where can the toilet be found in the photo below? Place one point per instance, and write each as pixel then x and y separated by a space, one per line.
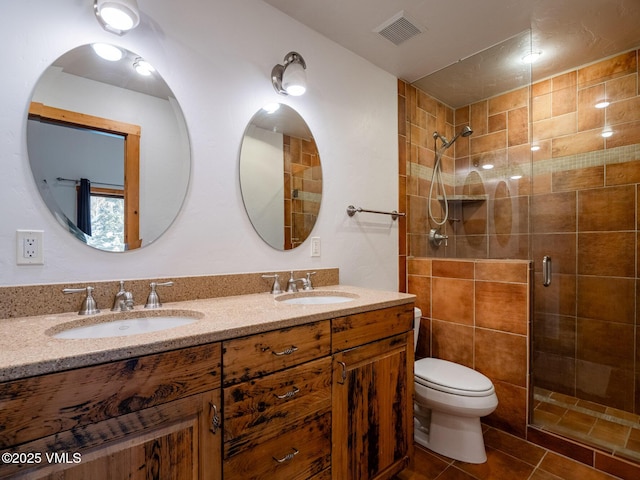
pixel 449 401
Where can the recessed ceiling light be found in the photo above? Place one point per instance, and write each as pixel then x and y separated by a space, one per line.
pixel 487 166
pixel 602 104
pixel 607 133
pixel 535 148
pixel 107 51
pixel 532 56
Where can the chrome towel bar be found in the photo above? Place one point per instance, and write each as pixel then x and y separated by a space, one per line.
pixel 351 211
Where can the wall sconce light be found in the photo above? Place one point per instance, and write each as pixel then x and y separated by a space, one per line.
pixel 117 16
pixel 290 78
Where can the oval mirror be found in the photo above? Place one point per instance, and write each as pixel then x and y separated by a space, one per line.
pixel 108 148
pixel 280 176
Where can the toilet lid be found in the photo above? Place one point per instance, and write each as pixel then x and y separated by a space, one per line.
pixel 452 378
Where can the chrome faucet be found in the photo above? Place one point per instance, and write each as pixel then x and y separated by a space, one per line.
pixel 123 301
pixel 292 284
pixel 436 238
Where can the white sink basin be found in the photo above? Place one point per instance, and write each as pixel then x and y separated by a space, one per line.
pixel 315 298
pixel 123 327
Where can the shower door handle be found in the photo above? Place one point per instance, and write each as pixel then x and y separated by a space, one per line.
pixel 546 270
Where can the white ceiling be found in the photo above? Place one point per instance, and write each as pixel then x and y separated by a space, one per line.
pixel 569 32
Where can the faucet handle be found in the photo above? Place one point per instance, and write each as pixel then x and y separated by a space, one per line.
pixel 153 301
pixel 275 288
pixel 89 306
pixel 309 285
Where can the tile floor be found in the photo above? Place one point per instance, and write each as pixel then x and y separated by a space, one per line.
pixel 611 430
pixel 508 458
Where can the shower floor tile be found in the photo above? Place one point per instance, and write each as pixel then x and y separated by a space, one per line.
pixel 608 429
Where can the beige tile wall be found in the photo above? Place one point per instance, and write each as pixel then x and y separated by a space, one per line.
pixel 302 174
pixel 581 201
pixel 476 313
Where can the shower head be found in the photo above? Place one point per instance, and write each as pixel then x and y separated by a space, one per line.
pixel 465 132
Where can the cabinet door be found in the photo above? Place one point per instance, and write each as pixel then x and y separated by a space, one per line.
pixel 372 416
pixel 175 440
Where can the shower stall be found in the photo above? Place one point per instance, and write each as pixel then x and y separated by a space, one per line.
pixel 550 173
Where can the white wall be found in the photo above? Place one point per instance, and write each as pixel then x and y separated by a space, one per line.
pixel 217 57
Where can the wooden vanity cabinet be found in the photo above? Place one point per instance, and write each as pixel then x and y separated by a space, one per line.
pixel 149 417
pixel 277 404
pixel 372 412
pixel 319 401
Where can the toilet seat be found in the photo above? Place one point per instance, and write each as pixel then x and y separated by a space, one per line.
pixel 452 378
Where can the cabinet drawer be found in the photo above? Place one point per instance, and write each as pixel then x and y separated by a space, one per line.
pixel 262 408
pixel 359 329
pixel 298 453
pixel 34 407
pixel 257 355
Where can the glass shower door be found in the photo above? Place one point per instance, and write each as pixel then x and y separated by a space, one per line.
pixel 584 212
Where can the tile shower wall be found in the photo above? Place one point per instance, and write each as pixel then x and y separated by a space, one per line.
pixel 585 216
pixel 461 323
pixel 302 189
pixel 584 209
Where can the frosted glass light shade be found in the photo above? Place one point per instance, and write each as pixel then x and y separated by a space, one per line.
pixel 117 16
pixel 294 79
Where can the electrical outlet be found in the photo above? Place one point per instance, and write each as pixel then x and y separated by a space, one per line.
pixel 29 247
pixel 315 246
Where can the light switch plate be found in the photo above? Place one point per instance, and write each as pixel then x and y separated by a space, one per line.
pixel 315 246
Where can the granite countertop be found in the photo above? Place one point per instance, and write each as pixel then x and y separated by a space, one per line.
pixel 27 347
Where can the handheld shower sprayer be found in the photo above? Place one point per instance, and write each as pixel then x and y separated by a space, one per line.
pixel 464 132
pixel 436 178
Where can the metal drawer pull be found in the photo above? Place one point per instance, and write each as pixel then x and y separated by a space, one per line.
pixel 343 376
pixel 288 351
pixel 287 457
pixel 288 394
pixel 215 419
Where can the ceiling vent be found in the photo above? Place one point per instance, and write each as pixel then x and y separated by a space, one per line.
pixel 399 28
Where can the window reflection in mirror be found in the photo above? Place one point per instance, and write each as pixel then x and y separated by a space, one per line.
pixel 280 177
pixel 136 159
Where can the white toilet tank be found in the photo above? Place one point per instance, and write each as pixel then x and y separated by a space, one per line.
pixel 417 313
